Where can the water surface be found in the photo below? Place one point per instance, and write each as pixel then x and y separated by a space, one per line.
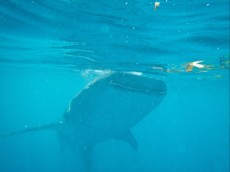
pixel 49 50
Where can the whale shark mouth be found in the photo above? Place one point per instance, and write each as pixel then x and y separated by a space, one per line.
pixel 134 83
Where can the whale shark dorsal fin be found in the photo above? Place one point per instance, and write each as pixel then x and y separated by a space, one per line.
pixel 129 138
pixel 86 152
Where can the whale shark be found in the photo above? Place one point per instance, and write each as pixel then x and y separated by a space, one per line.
pixel 107 108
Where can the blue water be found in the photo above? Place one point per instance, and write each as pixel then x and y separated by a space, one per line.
pixel 49 51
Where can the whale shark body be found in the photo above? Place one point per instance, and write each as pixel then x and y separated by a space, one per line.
pixel 106 109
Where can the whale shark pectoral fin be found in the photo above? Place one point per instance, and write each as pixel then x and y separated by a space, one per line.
pixel 38 128
pixel 129 138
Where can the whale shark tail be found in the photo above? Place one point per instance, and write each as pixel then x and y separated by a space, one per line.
pixel 32 129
